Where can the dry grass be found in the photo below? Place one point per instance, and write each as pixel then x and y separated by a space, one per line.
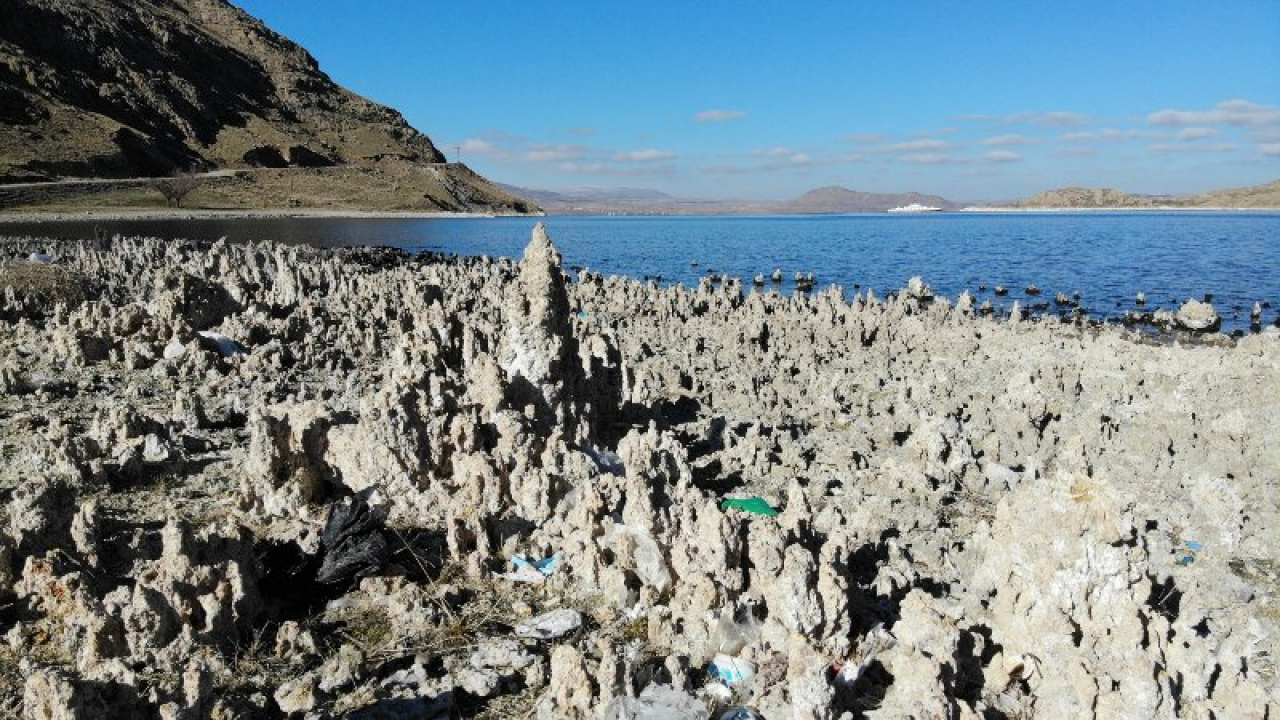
pixel 387 186
pixel 44 282
pixel 511 707
pixel 254 666
pixel 11 684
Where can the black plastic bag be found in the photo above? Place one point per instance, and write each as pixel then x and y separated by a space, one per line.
pixel 354 544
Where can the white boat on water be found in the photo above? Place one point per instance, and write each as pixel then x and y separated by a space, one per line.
pixel 915 208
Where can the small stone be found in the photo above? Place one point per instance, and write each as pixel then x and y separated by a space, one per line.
pixel 300 694
pixel 551 625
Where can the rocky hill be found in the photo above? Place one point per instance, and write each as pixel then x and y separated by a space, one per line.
pixel 96 88
pixel 1260 196
pixel 1080 197
pixel 836 199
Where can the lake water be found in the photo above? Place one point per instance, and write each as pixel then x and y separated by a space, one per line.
pixel 1108 257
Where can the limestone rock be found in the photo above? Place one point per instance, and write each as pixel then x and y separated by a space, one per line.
pixel 1198 316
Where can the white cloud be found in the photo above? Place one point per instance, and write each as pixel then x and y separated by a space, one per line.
pixel 477 146
pixel 650 155
pixel 1270 148
pixel 570 158
pixel 915 146
pixel 1079 137
pixel 1197 133
pixel 719 115
pixel 1007 140
pixel 931 158
pixel 780 156
pixel 1055 118
pixel 865 138
pixel 604 168
pixel 1237 113
pixel 1166 148
pixel 769 160
pixel 554 153
pixel 1088 136
pixel 1002 156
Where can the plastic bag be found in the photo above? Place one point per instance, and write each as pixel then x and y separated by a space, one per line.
pixel 736 629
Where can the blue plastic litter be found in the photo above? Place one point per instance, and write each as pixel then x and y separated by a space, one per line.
pixel 546 566
pixel 1189 550
pixel 731 671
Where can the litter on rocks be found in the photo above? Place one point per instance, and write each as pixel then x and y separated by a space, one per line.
pixel 736 629
pixel 738 713
pixel 733 672
pixel 754 505
pixel 225 346
pixel 353 542
pixel 877 641
pixel 1188 551
pixel 551 625
pixel 544 567
pixel 657 702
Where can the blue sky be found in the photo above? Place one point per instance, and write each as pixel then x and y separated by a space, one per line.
pixel 762 100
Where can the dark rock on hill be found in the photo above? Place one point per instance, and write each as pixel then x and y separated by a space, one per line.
pixel 142 88
pixel 97 88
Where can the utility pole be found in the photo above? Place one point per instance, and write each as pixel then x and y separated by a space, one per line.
pixel 457 154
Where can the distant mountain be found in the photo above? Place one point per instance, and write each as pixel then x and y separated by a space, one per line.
pixel 616 201
pixel 635 201
pixel 1261 196
pixel 835 199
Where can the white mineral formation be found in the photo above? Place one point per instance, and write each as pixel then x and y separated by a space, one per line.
pixel 1199 316
pixel 941 512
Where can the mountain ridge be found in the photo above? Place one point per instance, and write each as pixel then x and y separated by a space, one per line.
pixel 836 199
pixel 826 200
pixel 839 199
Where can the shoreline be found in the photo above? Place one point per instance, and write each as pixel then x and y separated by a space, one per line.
pixel 202 214
pixel 117 214
pixel 1162 208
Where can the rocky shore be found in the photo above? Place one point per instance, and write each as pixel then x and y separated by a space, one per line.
pixel 251 480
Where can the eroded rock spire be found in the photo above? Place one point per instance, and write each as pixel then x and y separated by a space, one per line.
pixel 537 354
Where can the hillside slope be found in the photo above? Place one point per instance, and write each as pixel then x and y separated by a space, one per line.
pixel 99 88
pixel 1080 197
pixel 1259 196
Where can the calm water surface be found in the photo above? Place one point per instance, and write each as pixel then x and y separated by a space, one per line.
pixel 1106 257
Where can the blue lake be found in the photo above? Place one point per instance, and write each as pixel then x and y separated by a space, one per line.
pixel 1108 257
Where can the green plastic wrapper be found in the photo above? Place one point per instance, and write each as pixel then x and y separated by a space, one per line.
pixel 753 505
